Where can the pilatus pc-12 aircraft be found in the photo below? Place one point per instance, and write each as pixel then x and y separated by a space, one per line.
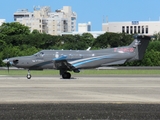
pixel 74 60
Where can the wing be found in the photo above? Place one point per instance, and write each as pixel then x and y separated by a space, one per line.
pixel 62 64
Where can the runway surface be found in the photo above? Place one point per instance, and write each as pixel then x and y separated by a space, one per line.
pixel 80 89
pixel 107 97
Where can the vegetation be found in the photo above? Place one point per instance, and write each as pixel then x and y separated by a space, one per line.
pixel 17 40
pixel 83 72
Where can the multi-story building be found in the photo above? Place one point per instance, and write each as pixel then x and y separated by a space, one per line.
pixel 133 27
pixel 44 20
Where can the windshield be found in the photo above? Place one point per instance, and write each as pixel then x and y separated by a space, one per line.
pixel 39 54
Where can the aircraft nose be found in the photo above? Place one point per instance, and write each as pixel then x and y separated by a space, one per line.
pixel 11 61
pixel 6 60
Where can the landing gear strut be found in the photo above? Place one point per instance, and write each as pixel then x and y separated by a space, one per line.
pixel 66 75
pixel 28 75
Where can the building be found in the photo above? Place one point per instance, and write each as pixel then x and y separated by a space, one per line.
pixel 133 27
pixel 84 27
pixel 2 21
pixel 94 33
pixel 46 21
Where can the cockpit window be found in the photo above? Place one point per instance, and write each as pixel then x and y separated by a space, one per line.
pixel 36 54
pixel 39 54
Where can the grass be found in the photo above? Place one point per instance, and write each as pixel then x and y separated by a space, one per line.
pixel 83 72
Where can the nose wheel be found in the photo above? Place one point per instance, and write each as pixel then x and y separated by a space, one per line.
pixel 28 75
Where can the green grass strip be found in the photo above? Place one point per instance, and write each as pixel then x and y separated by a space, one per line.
pixel 83 72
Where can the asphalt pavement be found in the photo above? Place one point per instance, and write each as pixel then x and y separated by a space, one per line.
pixel 112 97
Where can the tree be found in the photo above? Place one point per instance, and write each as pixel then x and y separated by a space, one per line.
pixel 112 40
pixel 14 28
pixel 88 39
pixel 2 45
pixel 154 45
pixel 157 36
pixel 125 39
pixel 35 31
pixel 101 41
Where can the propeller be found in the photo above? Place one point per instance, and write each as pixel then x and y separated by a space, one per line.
pixel 7 61
pixel 8 64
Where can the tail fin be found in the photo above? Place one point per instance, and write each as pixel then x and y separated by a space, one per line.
pixel 140 44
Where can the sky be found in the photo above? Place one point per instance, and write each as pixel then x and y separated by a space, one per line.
pixel 95 11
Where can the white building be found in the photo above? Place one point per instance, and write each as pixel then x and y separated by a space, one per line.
pixel 94 33
pixel 84 27
pixel 44 20
pixel 133 27
pixel 2 21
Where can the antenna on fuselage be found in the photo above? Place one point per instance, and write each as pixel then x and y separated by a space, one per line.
pixel 88 49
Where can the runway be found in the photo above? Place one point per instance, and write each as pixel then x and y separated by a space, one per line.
pixel 104 89
pixel 90 97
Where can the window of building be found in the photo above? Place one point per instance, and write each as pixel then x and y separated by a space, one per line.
pixel 135 29
pixel 108 29
pixel 127 29
pixel 131 30
pixel 146 29
pixel 139 29
pixel 73 18
pixel 142 29
pixel 123 29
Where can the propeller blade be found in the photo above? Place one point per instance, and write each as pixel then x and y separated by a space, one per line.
pixel 8 64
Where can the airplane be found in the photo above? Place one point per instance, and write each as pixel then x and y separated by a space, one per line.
pixel 75 60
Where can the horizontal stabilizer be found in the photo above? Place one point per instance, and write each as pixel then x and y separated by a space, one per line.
pixel 115 63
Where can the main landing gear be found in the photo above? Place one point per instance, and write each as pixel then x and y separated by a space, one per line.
pixel 28 75
pixel 66 75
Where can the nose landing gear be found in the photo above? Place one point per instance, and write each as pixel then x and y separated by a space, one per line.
pixel 28 75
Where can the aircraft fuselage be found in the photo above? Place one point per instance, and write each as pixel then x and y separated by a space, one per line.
pixel 91 59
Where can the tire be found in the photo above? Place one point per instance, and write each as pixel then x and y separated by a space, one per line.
pixel 66 75
pixel 28 76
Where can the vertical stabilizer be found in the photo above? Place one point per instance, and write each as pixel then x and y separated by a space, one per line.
pixel 144 41
pixel 140 44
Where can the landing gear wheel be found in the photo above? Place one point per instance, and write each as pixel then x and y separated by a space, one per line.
pixel 66 75
pixel 28 76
